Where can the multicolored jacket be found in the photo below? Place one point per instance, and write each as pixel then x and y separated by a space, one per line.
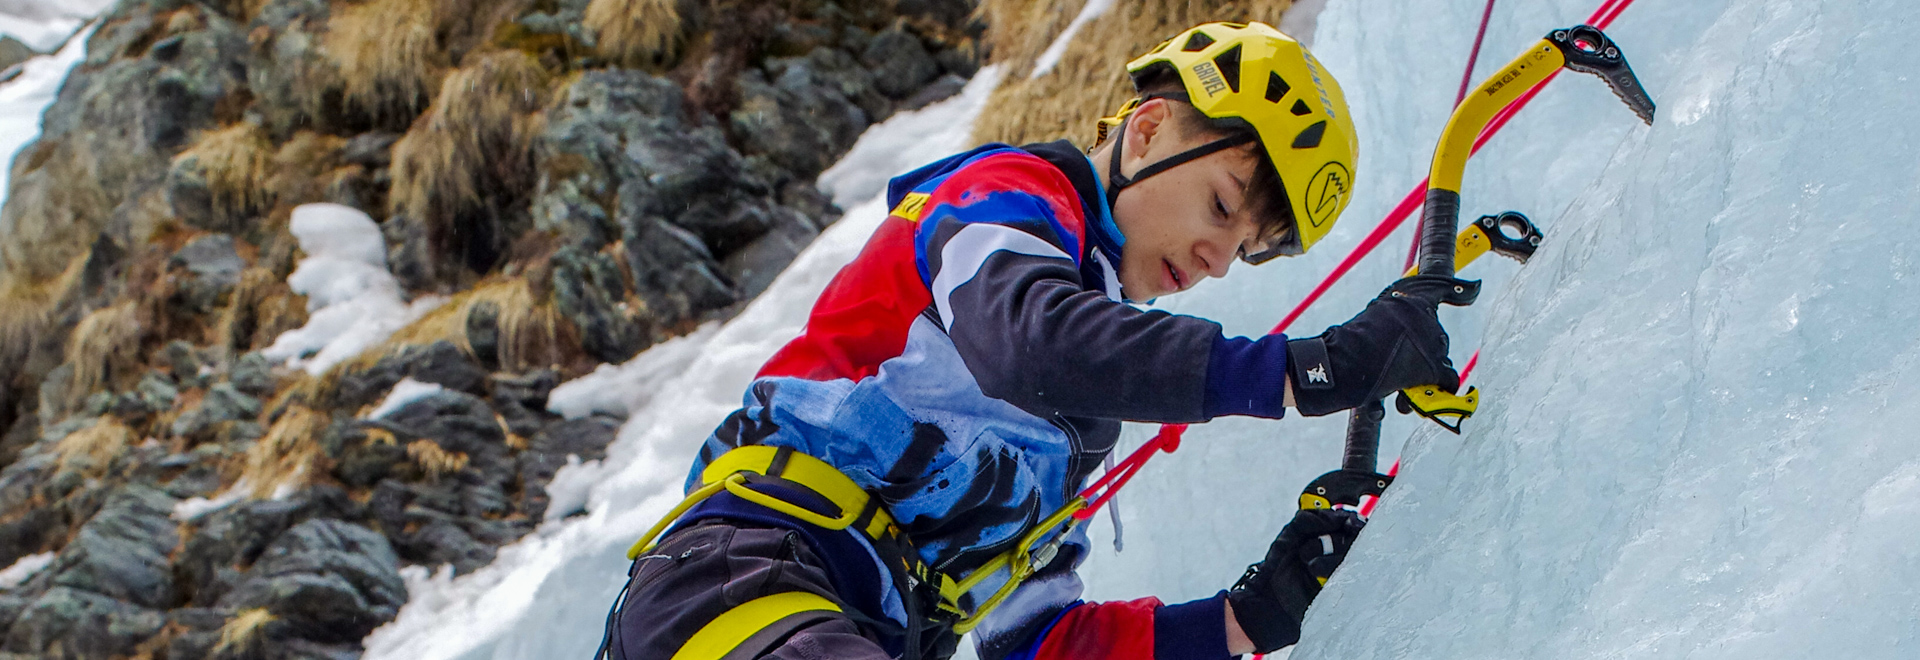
pixel 972 366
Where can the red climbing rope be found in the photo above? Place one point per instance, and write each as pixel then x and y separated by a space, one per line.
pixel 1168 439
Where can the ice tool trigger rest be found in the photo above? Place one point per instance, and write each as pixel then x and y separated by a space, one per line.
pixel 1580 48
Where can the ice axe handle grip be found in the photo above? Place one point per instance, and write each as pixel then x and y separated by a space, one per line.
pixel 1439 221
pixel 1363 437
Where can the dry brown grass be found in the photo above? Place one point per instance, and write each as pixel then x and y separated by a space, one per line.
pixel 635 32
pixel 388 56
pixel 91 450
pixel 532 333
pixel 26 309
pixel 235 161
pixel 470 153
pixel 240 634
pixel 104 346
pixel 299 166
pixel 435 461
pixel 289 455
pixel 1090 80
pixel 262 307
pixel 55 206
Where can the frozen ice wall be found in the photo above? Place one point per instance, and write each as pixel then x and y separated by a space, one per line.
pixel 1697 436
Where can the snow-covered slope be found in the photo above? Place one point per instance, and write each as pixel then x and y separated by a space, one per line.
pixel 26 96
pixel 1695 435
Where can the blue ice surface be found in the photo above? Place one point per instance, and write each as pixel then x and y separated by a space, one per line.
pixel 1697 436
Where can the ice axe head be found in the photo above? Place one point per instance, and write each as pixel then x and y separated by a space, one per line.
pixel 1588 50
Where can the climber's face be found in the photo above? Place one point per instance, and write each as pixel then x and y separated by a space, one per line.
pixel 1187 223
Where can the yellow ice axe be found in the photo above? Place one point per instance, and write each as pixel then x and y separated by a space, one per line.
pixel 1581 48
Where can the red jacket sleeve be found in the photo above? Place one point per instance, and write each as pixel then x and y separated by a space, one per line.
pixel 1142 629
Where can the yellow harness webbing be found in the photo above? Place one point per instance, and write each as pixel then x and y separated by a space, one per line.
pixel 733 628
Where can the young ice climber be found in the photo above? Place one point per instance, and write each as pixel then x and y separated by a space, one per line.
pixel 960 379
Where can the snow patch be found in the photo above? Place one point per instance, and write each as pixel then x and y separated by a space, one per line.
pixel 192 508
pixel 26 97
pixel 24 568
pixel 353 303
pixel 621 390
pixel 404 392
pixel 892 148
pixel 1050 57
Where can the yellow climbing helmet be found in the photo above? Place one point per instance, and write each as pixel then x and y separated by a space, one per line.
pixel 1255 73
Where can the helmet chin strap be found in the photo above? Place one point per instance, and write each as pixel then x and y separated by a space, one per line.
pixel 1117 181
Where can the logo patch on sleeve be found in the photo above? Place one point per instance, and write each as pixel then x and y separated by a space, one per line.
pixel 911 206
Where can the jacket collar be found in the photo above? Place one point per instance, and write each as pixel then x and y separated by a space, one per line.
pixel 1102 233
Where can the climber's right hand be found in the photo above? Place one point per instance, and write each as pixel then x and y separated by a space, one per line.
pixel 1393 344
pixel 1272 597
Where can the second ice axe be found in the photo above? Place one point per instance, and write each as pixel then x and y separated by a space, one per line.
pixel 1580 48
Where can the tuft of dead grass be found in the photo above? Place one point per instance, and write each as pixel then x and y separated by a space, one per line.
pixel 531 332
pixel 26 309
pixel 103 346
pixel 289 455
pixel 91 450
pixel 469 157
pixel 635 32
pixel 388 57
pixel 262 307
pixel 1090 80
pixel 235 162
pixel 240 635
pixel 434 460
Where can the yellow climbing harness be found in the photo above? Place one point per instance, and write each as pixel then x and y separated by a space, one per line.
pixel 859 510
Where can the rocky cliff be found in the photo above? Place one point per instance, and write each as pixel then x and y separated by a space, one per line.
pixel 573 179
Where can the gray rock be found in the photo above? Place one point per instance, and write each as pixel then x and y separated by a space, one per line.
pixel 900 63
pixel 441 540
pixel 361 462
pixel 223 403
pixel 589 291
pixel 212 257
pixel 444 364
pixel 754 267
pixel 123 551
pixel 673 271
pixel 14 51
pixel 458 422
pixel 522 400
pixel 184 361
pixel 939 90
pixel 214 267
pixel 156 392
pixel 252 374
pixel 373 150
pixel 72 623
pixel 330 581
pixel 547 452
pixel 799 121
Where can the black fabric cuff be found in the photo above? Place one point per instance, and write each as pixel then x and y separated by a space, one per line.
pixel 1191 631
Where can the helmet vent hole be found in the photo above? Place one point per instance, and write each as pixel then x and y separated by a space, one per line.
pixel 1198 42
pixel 1276 88
pixel 1229 63
pixel 1300 108
pixel 1310 138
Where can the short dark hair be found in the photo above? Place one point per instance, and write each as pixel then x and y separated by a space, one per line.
pixel 1266 194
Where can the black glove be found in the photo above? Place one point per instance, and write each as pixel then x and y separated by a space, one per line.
pixel 1272 597
pixel 1394 344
